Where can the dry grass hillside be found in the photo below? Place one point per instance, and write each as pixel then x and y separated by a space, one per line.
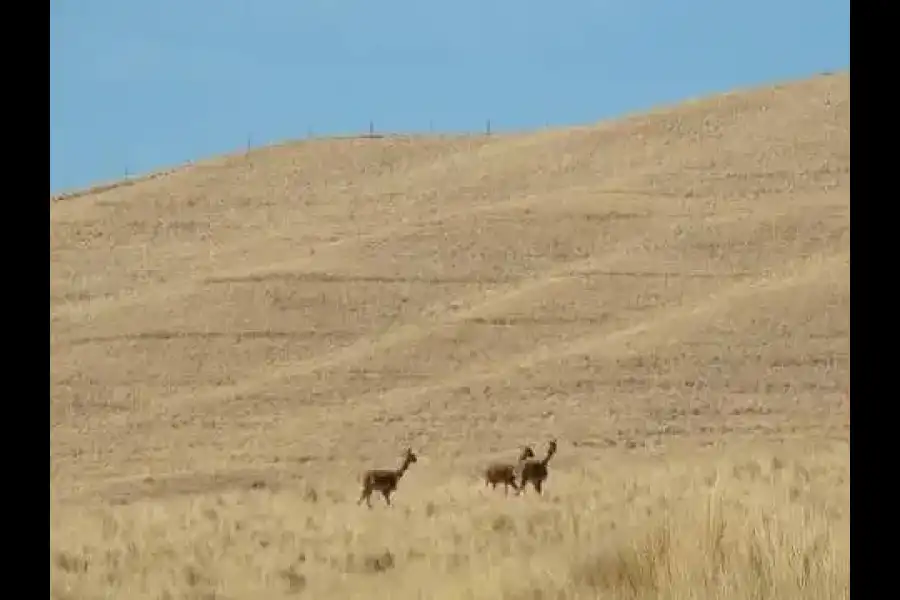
pixel 668 295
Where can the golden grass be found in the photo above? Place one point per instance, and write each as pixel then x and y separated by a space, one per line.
pixel 233 342
pixel 746 525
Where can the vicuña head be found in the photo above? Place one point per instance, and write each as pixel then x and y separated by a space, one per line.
pixel 505 473
pixel 535 472
pixel 384 480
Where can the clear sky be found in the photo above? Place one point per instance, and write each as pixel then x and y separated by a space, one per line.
pixel 137 86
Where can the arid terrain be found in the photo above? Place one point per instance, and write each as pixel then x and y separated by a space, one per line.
pixel 668 295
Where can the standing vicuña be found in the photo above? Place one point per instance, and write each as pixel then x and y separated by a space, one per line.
pixel 505 473
pixel 384 480
pixel 535 471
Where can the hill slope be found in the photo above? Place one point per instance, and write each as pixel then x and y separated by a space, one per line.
pixel 640 288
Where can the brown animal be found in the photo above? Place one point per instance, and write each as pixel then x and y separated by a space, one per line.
pixel 505 473
pixel 384 480
pixel 535 471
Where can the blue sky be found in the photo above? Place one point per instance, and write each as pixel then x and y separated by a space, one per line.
pixel 136 86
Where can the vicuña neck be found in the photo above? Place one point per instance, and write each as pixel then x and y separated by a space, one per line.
pixel 548 457
pixel 403 468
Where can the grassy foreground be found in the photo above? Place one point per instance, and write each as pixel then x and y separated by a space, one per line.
pixel 737 522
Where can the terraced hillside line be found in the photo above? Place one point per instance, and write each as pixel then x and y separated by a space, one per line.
pixel 442 318
pixel 452 313
pixel 319 256
pixel 668 322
